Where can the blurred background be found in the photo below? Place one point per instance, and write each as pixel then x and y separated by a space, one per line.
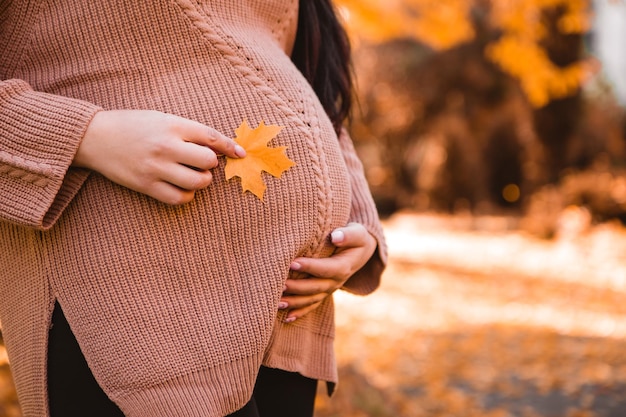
pixel 493 137
pixel 505 107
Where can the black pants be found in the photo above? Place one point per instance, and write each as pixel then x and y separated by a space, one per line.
pixel 74 392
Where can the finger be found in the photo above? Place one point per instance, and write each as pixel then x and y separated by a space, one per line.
pixel 335 267
pixel 207 136
pixel 169 194
pixel 301 301
pixel 195 156
pixel 310 286
pixel 354 234
pixel 186 178
pixel 300 312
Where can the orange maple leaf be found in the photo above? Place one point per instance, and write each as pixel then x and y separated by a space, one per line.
pixel 259 157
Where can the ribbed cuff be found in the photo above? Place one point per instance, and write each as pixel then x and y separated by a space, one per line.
pixel 367 279
pixel 363 211
pixel 41 134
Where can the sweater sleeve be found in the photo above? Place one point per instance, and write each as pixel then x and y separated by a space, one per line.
pixel 363 211
pixel 39 136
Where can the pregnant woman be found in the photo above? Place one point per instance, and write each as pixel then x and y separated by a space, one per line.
pixel 135 279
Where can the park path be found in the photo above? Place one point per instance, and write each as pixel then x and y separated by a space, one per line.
pixel 477 319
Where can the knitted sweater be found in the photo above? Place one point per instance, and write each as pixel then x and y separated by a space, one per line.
pixel 174 307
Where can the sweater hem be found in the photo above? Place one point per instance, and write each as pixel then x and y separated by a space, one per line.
pixel 211 392
pixel 286 353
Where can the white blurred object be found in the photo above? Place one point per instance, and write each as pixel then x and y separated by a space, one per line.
pixel 609 43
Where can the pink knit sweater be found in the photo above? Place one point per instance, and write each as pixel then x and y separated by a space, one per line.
pixel 174 307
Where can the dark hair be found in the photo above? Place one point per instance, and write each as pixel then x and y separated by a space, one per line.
pixel 322 53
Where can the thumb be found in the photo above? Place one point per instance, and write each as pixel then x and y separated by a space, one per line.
pixel 354 234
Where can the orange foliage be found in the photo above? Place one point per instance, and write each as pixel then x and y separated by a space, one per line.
pixel 518 51
pixel 540 78
pixel 439 23
pixel 442 24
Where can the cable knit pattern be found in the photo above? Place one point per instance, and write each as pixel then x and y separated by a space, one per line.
pixel 242 63
pixel 174 307
pixel 16 167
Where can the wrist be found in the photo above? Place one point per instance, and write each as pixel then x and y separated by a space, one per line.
pixel 86 152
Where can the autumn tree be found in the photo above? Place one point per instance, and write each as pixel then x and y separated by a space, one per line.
pixel 458 83
pixel 519 50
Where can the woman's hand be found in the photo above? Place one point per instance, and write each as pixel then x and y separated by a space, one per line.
pixel 355 246
pixel 162 155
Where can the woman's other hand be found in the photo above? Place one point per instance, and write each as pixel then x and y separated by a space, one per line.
pixel 323 276
pixel 161 155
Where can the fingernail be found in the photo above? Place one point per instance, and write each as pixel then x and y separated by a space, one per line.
pixel 295 266
pixel 290 319
pixel 337 236
pixel 239 151
pixel 282 305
